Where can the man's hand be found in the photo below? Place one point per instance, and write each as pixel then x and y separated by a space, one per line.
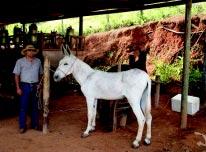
pixel 39 86
pixel 19 91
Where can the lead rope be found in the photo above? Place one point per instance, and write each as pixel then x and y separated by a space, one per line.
pixel 40 92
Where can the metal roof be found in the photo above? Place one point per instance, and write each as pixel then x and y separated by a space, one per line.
pixel 13 11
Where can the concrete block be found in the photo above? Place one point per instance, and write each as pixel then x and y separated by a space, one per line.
pixel 193 104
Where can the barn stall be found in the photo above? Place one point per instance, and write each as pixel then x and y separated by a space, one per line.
pixel 52 49
pixel 50 54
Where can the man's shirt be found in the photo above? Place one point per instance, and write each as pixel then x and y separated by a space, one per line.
pixel 28 71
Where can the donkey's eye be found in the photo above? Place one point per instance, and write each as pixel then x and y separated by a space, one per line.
pixel 65 63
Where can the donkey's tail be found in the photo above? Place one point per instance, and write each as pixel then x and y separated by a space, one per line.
pixel 146 98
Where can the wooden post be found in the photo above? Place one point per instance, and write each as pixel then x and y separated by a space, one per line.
pixel 119 67
pixel 204 80
pixel 186 62
pixel 46 90
pixel 123 120
pixel 157 90
pixel 108 24
pixel 24 34
pixel 80 32
pixel 80 25
pixel 114 125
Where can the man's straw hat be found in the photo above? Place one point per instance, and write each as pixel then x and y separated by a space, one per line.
pixel 29 47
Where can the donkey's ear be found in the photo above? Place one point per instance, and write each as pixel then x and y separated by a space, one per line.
pixel 65 49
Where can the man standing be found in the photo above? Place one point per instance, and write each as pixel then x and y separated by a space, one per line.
pixel 28 71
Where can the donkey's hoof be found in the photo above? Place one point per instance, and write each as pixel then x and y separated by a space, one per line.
pixel 147 141
pixel 84 135
pixel 92 130
pixel 135 144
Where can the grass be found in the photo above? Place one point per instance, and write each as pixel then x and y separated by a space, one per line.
pixel 101 23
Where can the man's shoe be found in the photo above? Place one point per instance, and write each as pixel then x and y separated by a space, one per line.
pixel 22 130
pixel 37 128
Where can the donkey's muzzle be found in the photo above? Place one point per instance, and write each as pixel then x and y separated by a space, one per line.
pixel 56 77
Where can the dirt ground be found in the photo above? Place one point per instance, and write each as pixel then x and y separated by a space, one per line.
pixel 161 40
pixel 67 120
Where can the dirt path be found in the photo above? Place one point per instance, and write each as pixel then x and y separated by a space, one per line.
pixel 68 120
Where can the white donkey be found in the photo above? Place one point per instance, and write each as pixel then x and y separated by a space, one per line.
pixel 133 84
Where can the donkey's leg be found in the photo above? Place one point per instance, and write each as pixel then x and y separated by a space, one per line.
pixel 147 140
pixel 146 107
pixel 94 115
pixel 135 104
pixel 90 113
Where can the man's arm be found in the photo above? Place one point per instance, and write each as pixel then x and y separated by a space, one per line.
pixel 17 82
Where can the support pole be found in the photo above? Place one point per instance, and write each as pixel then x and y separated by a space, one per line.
pixel 108 23
pixel 24 32
pixel 79 46
pixel 46 90
pixel 80 25
pixel 186 63
pixel 62 25
pixel 157 90
pixel 204 80
pixel 119 67
pixel 24 27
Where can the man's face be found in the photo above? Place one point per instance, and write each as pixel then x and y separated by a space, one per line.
pixel 30 53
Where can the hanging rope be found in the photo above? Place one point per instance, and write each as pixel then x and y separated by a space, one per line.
pixel 39 93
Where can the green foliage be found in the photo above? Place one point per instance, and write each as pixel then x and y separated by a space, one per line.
pixel 195 75
pixel 195 81
pixel 109 54
pixel 168 72
pixel 102 68
pixel 101 23
pixel 173 72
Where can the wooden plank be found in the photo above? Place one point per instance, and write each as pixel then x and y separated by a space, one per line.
pixel 51 49
pixel 46 95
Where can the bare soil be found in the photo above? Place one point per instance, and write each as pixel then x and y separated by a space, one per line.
pixel 161 40
pixel 68 119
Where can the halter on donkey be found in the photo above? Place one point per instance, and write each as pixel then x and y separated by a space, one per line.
pixel 133 84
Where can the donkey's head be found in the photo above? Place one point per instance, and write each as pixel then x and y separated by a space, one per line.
pixel 65 66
